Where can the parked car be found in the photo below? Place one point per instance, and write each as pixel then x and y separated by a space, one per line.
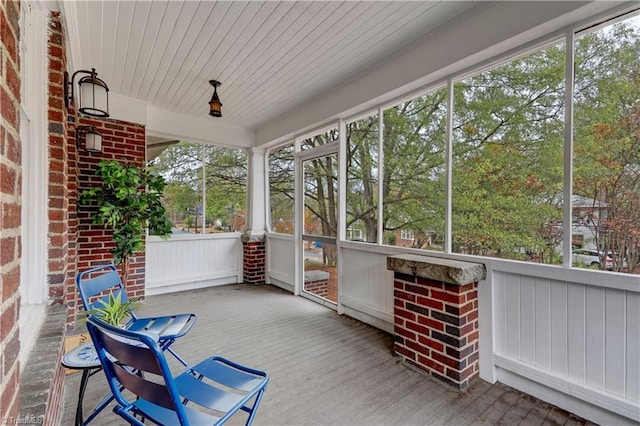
pixel 590 258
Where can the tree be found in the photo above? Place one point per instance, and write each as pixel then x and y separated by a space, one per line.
pixel 281 189
pixel 225 177
pixel 507 147
pixel 127 201
pixel 607 160
pixel 414 158
pixel 362 180
pixel 320 184
pixel 178 198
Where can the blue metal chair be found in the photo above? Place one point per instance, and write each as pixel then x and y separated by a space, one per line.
pixel 208 393
pixel 97 283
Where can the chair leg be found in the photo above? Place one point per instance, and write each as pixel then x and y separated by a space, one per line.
pixel 178 357
pixel 106 400
pixel 83 387
pixel 252 410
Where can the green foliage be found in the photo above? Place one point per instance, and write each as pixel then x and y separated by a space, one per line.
pixel 508 158
pixel 362 180
pixel 127 200
pixel 178 198
pixel 112 310
pixel 225 177
pixel 414 158
pixel 281 189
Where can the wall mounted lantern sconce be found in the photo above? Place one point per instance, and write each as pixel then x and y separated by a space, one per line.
pixel 215 106
pixel 92 138
pixel 93 93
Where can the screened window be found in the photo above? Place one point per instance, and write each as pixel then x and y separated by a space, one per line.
pixel 362 179
pixel 414 159
pixel 607 143
pixel 206 187
pixel 320 139
pixel 508 159
pixel 507 145
pixel 281 189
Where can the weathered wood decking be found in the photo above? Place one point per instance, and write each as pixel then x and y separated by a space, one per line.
pixel 325 369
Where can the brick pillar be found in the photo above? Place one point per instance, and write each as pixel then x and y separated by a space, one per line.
pixel 58 159
pixel 436 316
pixel 10 208
pixel 253 259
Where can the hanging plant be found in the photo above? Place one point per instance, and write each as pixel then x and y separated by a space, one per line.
pixel 128 200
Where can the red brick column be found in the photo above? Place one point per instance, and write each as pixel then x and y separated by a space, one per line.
pixel 10 208
pixel 253 259
pixel 58 208
pixel 436 316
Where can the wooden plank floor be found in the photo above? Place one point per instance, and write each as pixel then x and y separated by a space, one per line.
pixel 325 369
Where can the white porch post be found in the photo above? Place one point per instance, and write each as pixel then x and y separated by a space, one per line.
pixel 256 190
pixel 253 238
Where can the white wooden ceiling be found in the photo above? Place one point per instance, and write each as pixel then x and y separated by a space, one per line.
pixel 271 57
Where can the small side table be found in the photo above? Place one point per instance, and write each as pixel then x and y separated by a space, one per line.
pixel 85 358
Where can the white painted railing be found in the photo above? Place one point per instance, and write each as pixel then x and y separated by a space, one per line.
pixel 366 287
pixel 568 336
pixel 186 262
pixel 281 260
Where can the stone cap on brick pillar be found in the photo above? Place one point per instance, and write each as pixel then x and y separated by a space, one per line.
pixel 448 271
pixel 248 238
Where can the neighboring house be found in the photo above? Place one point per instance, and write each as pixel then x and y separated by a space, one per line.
pixel 587 214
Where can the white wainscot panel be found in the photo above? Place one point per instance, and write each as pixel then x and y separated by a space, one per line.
pixel 281 260
pixel 366 287
pixel 581 341
pixel 187 262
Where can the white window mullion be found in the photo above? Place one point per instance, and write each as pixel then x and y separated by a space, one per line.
pixel 567 194
pixel 342 180
pixel 448 166
pixel 380 176
pixel 204 189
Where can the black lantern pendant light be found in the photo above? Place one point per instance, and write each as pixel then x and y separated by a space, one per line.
pixel 215 106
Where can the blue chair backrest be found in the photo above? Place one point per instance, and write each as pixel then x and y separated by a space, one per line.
pixel 97 283
pixel 129 358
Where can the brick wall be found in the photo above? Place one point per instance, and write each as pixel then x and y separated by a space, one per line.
pixel 436 327
pixel 319 288
pixel 71 167
pixel 59 266
pixel 317 282
pixel 125 142
pixel 253 259
pixel 10 209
